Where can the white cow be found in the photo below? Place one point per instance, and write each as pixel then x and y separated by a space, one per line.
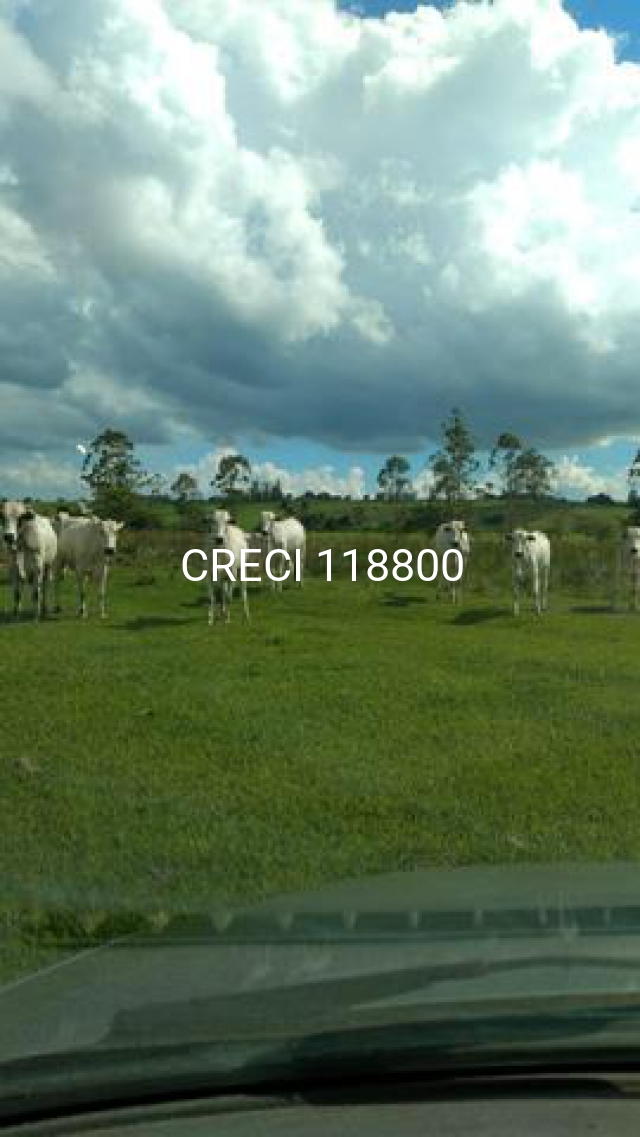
pixel 288 535
pixel 11 513
pixel 629 563
pixel 38 545
pixel 227 537
pixel 86 545
pixel 530 557
pixel 452 535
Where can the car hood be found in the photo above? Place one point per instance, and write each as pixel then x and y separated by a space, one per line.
pixel 449 934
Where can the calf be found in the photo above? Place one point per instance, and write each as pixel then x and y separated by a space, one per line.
pixel 87 545
pixel 288 535
pixel 226 537
pixel 630 563
pixel 452 535
pixel 38 545
pixel 12 511
pixel 530 557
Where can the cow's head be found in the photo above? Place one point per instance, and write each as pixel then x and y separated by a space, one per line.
pixel 458 536
pixel 221 523
pixel 12 512
pixel 631 540
pixel 267 520
pixel 520 541
pixel 109 531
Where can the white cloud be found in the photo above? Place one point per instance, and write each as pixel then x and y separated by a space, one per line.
pixel 575 478
pixel 37 474
pixel 230 217
pixel 318 479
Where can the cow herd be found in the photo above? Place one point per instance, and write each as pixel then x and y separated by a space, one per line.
pixel 40 550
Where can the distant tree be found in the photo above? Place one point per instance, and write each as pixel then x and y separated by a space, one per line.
pixel 532 474
pixel 455 465
pixel 113 474
pixel 185 487
pixel 156 485
pixel 600 499
pixel 633 480
pixel 503 459
pixel 393 478
pixel 233 475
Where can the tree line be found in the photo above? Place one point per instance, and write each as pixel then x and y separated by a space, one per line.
pixel 119 485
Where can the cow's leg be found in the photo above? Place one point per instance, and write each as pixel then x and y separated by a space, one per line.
pixel 102 577
pixel 36 591
pixel 82 607
pixel 17 594
pixel 46 577
pixel 516 594
pixel 535 588
pixel 245 606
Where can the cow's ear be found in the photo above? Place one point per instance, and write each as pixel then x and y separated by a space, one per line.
pixel 28 515
pixel 119 526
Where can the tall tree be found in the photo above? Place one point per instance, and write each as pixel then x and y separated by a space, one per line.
pixel 185 487
pixel 455 465
pixel 503 459
pixel 532 474
pixel 633 480
pixel 233 475
pixel 393 478
pixel 113 473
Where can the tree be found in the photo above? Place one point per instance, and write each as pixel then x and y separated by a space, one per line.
pixel 455 465
pixel 393 478
pixel 633 480
pixel 185 487
pixel 503 460
pixel 532 474
pixel 233 475
pixel 113 474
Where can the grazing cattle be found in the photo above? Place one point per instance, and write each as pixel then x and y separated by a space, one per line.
pixel 12 511
pixel 38 545
pixel 288 535
pixel 530 557
pixel 226 537
pixel 630 563
pixel 452 535
pixel 86 545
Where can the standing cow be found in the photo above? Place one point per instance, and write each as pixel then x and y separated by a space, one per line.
pixel 87 545
pixel 38 545
pixel 288 535
pixel 452 535
pixel 227 538
pixel 12 511
pixel 530 557
pixel 629 563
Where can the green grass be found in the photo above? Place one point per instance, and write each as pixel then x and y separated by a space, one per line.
pixel 154 764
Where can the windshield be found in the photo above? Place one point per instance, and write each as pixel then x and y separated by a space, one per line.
pixel 320 532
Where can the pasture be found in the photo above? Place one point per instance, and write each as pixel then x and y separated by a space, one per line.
pixel 151 764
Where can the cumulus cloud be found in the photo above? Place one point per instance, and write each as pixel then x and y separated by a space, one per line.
pixel 317 479
pixel 575 478
pixel 224 217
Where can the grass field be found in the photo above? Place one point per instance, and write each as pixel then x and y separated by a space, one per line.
pixel 154 764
